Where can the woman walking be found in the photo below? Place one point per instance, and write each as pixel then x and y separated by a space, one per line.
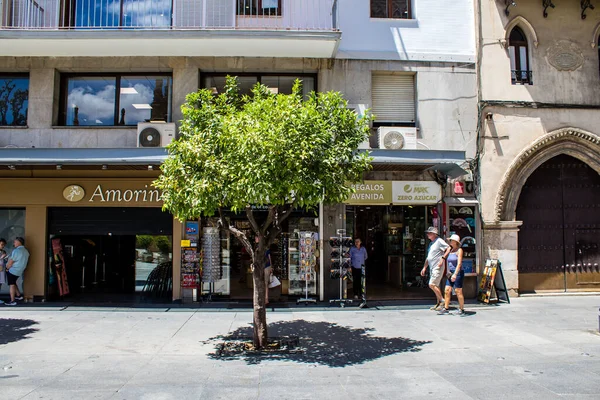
pixel 455 275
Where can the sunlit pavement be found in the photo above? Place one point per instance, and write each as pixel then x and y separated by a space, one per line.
pixel 534 348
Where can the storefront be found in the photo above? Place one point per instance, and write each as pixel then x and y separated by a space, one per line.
pixel 215 264
pixel 93 239
pixel 390 218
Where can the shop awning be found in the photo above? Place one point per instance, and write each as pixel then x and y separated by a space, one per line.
pixel 446 161
pixel 46 156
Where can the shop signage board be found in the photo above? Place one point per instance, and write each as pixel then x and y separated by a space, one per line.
pixel 492 280
pixel 395 192
pixel 416 192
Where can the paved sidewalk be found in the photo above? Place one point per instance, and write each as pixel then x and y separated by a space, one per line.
pixel 535 348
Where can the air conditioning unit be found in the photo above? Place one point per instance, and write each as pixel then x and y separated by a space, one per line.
pixel 361 110
pixel 397 138
pixel 155 134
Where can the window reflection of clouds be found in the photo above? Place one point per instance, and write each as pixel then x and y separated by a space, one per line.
pixel 94 99
pixel 144 94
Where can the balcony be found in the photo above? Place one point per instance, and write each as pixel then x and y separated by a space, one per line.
pixel 218 28
pixel 521 77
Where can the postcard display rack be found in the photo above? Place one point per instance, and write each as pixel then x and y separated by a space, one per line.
pixel 340 262
pixel 305 270
pixel 190 270
pixel 211 258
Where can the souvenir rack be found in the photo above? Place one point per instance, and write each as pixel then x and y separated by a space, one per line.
pixel 340 262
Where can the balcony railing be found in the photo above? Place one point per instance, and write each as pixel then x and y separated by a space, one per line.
pixel 521 77
pixel 303 15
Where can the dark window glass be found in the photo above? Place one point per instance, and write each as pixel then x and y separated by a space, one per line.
pixel 398 9
pixel 519 58
pixel 116 100
pixel 259 7
pixel 277 83
pixel 14 95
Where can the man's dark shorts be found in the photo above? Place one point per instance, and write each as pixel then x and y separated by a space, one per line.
pixel 12 279
pixel 458 283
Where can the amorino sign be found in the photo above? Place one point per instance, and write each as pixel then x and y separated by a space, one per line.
pixel 105 193
pixel 395 192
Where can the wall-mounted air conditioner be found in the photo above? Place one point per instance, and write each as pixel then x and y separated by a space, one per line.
pixel 155 134
pixel 397 138
pixel 360 109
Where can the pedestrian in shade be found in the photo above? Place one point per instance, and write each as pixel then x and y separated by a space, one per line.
pixel 435 261
pixel 15 267
pixel 3 261
pixel 358 256
pixel 455 276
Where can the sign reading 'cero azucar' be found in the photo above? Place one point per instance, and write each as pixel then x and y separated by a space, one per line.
pixel 395 192
pixel 76 193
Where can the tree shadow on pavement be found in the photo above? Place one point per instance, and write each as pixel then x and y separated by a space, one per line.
pixel 13 330
pixel 321 343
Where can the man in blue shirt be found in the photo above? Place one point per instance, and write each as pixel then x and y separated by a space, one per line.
pixel 15 267
pixel 358 256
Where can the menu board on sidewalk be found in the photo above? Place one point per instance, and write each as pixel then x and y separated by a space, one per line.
pixel 492 281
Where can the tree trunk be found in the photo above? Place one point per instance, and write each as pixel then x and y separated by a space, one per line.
pixel 260 313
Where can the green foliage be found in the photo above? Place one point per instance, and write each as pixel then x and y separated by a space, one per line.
pixel 164 244
pixel 264 149
pixel 143 241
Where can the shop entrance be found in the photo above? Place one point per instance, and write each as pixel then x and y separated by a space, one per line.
pixel 560 235
pixel 395 239
pixel 110 254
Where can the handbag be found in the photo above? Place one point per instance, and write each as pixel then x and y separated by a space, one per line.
pixel 274 282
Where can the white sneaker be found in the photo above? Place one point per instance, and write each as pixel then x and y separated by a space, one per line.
pixel 19 298
pixel 12 303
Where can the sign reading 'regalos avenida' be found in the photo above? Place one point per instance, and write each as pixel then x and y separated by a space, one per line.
pixel 395 192
pixel 75 193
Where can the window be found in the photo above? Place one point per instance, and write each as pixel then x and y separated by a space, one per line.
pixel 109 100
pixel 519 59
pixel 393 99
pixel 277 83
pixel 14 94
pixel 117 13
pixel 398 9
pixel 259 7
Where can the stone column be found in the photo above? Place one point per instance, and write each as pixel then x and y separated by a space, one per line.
pixel 34 278
pixel 501 242
pixel 185 81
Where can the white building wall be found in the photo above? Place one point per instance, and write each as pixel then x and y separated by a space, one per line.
pixel 439 31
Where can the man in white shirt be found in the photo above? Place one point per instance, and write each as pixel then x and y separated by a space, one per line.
pixel 435 259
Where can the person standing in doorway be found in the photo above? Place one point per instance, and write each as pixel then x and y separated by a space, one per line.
pixel 358 256
pixel 3 261
pixel 436 256
pixel 455 275
pixel 15 267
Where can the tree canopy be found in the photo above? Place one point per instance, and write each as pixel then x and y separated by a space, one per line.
pixel 265 149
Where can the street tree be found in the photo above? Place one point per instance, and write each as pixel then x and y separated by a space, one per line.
pixel 279 152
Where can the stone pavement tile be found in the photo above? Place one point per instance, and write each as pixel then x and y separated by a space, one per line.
pixel 560 379
pixel 99 372
pixel 172 391
pixel 11 390
pixel 229 392
pixel 504 355
pixel 47 393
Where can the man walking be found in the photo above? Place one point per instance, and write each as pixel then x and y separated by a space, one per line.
pixel 15 267
pixel 435 259
pixel 358 256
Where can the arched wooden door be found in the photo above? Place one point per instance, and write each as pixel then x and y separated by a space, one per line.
pixel 560 236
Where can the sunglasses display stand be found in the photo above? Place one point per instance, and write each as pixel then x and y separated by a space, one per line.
pixel 308 261
pixel 340 262
pixel 211 259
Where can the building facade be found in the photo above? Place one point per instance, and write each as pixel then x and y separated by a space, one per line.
pixel 539 142
pixel 83 80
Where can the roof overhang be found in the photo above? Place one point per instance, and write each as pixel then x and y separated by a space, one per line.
pixel 447 162
pixel 76 156
pixel 176 43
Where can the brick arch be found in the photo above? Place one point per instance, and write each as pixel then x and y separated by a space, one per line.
pixel 576 143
